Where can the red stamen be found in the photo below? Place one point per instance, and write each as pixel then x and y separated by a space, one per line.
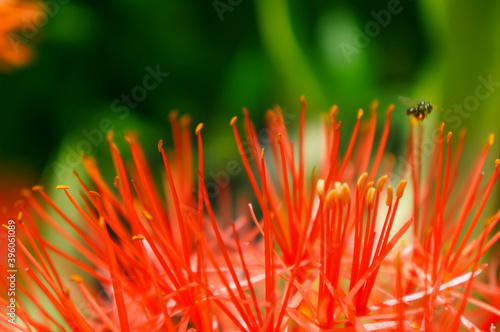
pixel 115 278
pixel 350 147
pixel 382 144
pixel 245 162
pixel 180 218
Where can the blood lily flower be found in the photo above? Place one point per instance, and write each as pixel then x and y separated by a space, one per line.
pixel 15 16
pixel 347 245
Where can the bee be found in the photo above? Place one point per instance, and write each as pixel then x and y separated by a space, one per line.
pixel 418 109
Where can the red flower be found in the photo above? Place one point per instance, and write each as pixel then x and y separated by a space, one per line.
pixel 317 251
pixel 16 18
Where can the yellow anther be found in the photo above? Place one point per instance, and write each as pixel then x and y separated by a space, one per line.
pixel 338 186
pixel 76 278
pixel 160 145
pixel 401 188
pixel 361 181
pixel 198 128
pixel 173 115
pixel 388 201
pixel 381 182
pixel 334 110
pixel 398 262
pixel 390 109
pixel 320 188
pixel 147 215
pixel 109 136
pixel 370 197
pixel 345 194
pixel 102 223
pixel 185 120
pixel 360 113
pixel 331 199
pixel 413 122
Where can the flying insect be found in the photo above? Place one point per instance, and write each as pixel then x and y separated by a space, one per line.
pixel 419 110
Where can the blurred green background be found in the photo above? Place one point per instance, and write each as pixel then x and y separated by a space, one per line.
pixel 223 55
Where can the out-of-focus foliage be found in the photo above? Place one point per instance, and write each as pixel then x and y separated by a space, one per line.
pixel 222 55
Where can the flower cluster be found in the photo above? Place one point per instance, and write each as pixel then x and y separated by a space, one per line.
pixel 334 247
